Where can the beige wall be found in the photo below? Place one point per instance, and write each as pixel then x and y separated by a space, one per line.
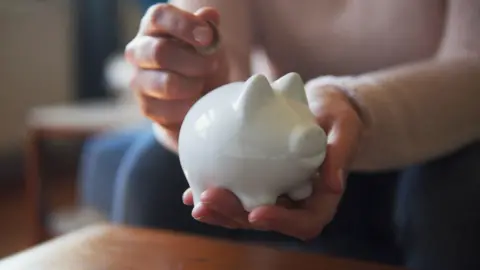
pixel 35 61
pixel 36 58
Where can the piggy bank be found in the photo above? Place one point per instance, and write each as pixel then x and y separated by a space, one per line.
pixel 255 138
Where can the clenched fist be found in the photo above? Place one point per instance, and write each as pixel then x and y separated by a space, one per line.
pixel 173 68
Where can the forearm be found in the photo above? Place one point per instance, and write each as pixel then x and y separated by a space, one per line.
pixel 416 112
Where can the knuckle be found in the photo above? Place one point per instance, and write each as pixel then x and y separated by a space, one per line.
pixel 175 86
pixel 135 80
pixel 157 84
pixel 155 12
pixel 159 48
pixel 152 17
pixel 129 52
pixel 142 49
pixel 170 83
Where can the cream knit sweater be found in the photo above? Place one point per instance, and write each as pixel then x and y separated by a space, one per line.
pixel 412 66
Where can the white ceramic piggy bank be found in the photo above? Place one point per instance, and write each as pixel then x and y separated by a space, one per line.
pixel 256 139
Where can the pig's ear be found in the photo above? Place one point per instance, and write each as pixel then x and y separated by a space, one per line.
pixel 291 86
pixel 256 93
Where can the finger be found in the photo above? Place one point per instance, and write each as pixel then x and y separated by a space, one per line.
pixel 307 220
pixel 165 19
pixel 212 17
pixel 298 223
pixel 166 85
pixel 225 203
pixel 286 202
pixel 305 223
pixel 187 197
pixel 331 173
pixel 204 214
pixel 341 140
pixel 209 14
pixel 165 112
pixel 166 54
pixel 324 201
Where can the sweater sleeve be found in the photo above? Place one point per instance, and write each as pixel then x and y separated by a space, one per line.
pixel 419 111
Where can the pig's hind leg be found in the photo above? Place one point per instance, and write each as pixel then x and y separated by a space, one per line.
pixel 251 202
pixel 301 192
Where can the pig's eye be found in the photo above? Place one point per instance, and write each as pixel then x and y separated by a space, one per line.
pixel 307 141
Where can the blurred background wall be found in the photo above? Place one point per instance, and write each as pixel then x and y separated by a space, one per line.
pixel 54 54
pixel 35 61
pixel 52 51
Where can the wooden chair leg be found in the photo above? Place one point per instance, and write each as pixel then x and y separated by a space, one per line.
pixel 34 186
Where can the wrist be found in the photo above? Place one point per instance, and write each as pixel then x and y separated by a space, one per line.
pixel 343 87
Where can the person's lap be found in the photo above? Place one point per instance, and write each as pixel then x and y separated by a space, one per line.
pixel 438 212
pixel 100 160
pixel 429 210
pixel 149 188
pixel 151 182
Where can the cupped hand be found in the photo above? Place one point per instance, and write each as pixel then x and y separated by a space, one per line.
pixel 305 219
pixel 171 73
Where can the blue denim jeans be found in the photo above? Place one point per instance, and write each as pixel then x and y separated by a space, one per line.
pixel 423 217
pixel 101 159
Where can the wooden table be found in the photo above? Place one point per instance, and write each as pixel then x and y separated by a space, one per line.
pixel 65 121
pixel 121 248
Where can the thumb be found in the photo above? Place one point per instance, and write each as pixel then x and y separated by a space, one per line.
pixel 209 14
pixel 212 16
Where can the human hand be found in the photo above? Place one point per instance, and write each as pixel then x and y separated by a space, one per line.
pixel 172 73
pixel 306 219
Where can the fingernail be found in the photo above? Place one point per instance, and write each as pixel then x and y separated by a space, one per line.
pixel 203 35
